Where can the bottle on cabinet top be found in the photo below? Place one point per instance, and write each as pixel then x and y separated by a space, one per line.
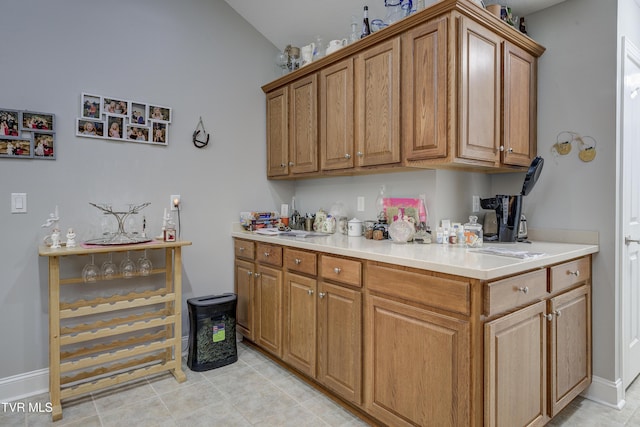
pixel 366 28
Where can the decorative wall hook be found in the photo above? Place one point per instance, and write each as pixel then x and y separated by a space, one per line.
pixel 200 128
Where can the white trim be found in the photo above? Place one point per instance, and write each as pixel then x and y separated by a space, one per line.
pixel 24 385
pixel 609 393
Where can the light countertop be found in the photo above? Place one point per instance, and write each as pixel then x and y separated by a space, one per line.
pixel 447 259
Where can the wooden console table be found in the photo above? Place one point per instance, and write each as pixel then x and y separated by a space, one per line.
pixel 85 357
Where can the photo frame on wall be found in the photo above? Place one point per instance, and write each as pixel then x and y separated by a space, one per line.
pixel 35 121
pixel 159 134
pixel 10 122
pixel 137 133
pixel 43 146
pixel 91 106
pixel 115 127
pixel 90 128
pixel 17 148
pixel 115 106
pixel 116 118
pixel 138 114
pixel 159 113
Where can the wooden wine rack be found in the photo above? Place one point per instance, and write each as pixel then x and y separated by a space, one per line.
pixel 126 349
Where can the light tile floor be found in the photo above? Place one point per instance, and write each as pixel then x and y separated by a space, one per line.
pixel 251 392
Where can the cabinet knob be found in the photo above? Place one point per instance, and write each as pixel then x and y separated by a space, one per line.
pixel 297 261
pixel 574 273
pixel 502 148
pixel 250 273
pixel 337 270
pixel 290 163
pixel 549 317
pixel 321 295
pixel 266 254
pixel 360 154
pixel 241 249
pixel 310 291
pixel 282 165
pixel 347 156
pixel 557 313
pixel 510 150
pixel 524 289
pixel 256 274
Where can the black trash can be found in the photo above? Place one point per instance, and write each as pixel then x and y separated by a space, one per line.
pixel 212 332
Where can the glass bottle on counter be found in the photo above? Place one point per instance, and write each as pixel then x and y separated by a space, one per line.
pixel 473 233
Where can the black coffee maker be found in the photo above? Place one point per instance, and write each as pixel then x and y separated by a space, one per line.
pixel 508 209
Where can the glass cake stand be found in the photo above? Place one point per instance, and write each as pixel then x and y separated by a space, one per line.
pixel 121 237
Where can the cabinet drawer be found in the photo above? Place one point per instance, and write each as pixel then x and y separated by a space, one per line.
pixel 269 254
pixel 341 270
pixel 570 273
pixel 301 261
pixel 517 291
pixel 244 249
pixel 420 286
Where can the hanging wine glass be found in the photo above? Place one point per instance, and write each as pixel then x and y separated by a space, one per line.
pixel 144 265
pixel 90 272
pixel 127 267
pixel 109 268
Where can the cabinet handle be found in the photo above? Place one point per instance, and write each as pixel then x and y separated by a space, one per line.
pixel 337 270
pixel 256 274
pixel 297 261
pixel 290 163
pixel 266 254
pixel 524 290
pixel 321 294
pixel 557 313
pixel 241 249
pixel 310 291
pixel 502 148
pixel 574 273
pixel 282 165
pixel 250 273
pixel 549 317
pixel 510 150
pixel 347 156
pixel 360 153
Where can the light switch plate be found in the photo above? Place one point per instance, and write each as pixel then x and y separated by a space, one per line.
pixel 360 204
pixel 18 202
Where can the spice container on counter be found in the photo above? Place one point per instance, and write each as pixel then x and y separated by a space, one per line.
pixel 368 229
pixel 473 233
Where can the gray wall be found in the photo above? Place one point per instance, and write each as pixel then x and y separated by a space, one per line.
pixel 196 56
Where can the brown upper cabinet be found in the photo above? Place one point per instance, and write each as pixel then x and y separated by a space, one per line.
pixel 449 87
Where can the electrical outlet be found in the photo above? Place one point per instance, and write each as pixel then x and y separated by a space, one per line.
pixel 475 204
pixel 360 204
pixel 174 205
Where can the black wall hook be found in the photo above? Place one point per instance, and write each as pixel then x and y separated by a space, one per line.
pixel 198 143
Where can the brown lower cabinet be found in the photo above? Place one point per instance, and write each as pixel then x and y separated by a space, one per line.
pixel 410 347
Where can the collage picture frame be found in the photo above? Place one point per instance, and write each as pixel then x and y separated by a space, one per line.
pixel 120 119
pixel 26 134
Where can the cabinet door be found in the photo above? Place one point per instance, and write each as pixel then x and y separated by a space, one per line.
pixel 244 291
pixel 569 346
pixel 424 91
pixel 479 96
pixel 277 133
pixel 417 365
pixel 336 116
pixel 299 347
pixel 340 340
pixel 303 125
pixel 515 369
pixel 378 104
pixel 520 104
pixel 269 309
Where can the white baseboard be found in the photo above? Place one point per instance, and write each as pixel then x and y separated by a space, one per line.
pixel 24 385
pixel 609 393
pixel 29 384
